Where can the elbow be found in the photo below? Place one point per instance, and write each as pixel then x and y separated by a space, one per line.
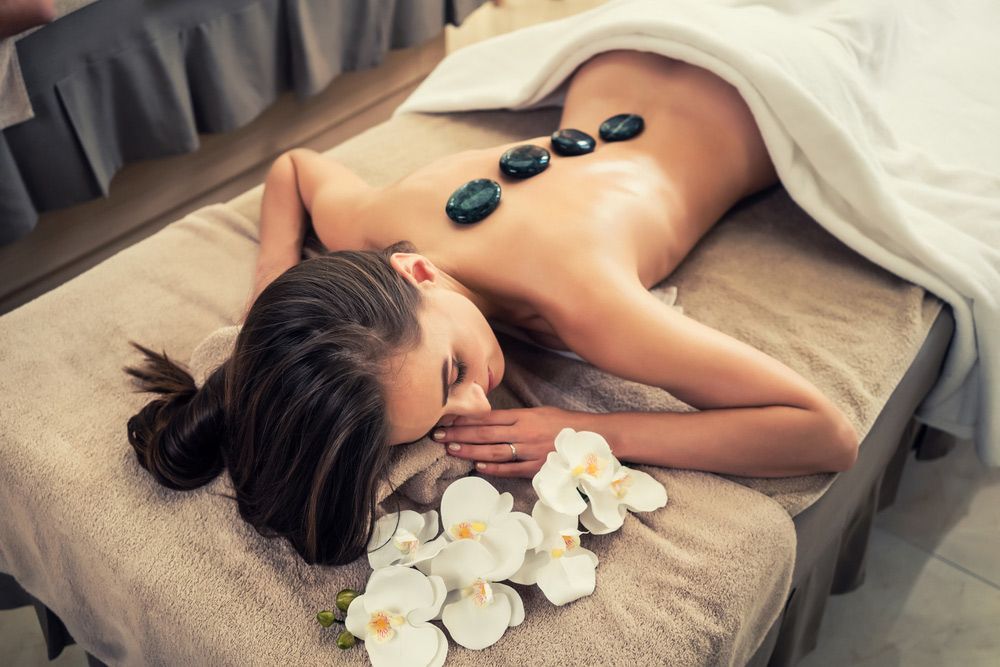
pixel 846 445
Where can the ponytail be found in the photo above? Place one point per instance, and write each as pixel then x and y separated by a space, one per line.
pixel 179 438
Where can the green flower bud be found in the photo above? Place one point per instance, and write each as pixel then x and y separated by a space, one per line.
pixel 345 640
pixel 326 618
pixel 345 597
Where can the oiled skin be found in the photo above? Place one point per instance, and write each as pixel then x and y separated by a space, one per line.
pixel 636 206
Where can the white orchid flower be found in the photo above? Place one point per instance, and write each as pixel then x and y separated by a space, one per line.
pixel 629 490
pixel 477 610
pixel 583 462
pixel 563 570
pixel 472 509
pixel 392 616
pixel 579 456
pixel 404 538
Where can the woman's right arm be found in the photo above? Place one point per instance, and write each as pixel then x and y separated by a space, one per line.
pixel 282 225
pixel 289 190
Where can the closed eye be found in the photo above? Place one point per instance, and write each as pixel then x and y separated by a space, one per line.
pixel 461 371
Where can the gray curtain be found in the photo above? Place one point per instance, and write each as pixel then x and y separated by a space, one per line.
pixel 125 80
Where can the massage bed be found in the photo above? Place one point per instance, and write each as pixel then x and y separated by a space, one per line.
pixel 732 571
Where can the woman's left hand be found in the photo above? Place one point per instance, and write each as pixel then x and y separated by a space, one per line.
pixel 484 440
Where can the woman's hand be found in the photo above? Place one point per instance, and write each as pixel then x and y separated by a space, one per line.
pixel 485 439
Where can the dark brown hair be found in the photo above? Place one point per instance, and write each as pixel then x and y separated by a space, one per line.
pixel 297 413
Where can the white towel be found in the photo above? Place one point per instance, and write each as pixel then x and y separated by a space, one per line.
pixel 882 119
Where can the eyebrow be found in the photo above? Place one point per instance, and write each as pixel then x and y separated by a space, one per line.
pixel 444 382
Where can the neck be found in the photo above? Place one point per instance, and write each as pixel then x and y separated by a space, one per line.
pixel 484 302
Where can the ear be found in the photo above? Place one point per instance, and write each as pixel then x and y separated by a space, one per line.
pixel 414 267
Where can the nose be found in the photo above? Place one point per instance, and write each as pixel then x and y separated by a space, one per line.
pixel 469 401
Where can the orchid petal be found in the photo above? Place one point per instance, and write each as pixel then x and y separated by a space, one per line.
pixel 604 505
pixel 567 579
pixel 462 562
pixel 551 521
pixel 442 651
pixel 382 549
pixel 505 503
pixel 556 487
pixel 531 528
pixel 477 627
pixel 528 572
pixel 398 589
pixel 357 618
pixel 594 525
pixel 427 551
pixel 645 493
pixel 409 646
pixel 468 499
pixel 421 615
pixel 507 542
pixel 431 526
pixel 581 551
pixel 516 604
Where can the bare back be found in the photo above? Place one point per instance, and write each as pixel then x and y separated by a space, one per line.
pixel 636 206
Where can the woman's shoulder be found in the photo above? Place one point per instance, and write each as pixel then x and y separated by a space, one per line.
pixel 551 302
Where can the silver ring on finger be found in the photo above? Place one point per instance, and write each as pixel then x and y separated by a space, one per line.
pixel 513 451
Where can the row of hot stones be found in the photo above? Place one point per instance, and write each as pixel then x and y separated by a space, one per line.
pixel 475 200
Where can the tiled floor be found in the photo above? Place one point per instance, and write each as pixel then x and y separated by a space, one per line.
pixel 931 595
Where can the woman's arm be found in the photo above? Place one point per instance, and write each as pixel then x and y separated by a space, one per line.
pixel 758 417
pixel 302 188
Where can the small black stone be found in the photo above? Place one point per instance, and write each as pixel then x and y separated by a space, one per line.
pixel 621 127
pixel 524 161
pixel 473 201
pixel 572 142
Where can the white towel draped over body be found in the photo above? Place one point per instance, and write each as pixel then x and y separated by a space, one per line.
pixel 882 119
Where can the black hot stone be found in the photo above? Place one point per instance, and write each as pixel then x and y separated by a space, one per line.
pixel 621 127
pixel 473 201
pixel 572 142
pixel 524 161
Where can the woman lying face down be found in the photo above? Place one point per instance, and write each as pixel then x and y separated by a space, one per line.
pixel 340 358
pixel 375 344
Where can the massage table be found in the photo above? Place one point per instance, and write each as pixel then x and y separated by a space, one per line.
pixel 732 571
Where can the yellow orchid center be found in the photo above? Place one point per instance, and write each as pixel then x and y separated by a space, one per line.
pixel 380 625
pixel 571 541
pixel 468 530
pixel 481 592
pixel 406 541
pixel 620 486
pixel 592 465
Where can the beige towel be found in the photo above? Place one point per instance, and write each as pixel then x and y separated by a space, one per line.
pixel 141 574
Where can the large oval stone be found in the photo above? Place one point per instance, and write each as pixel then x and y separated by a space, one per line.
pixel 524 161
pixel 621 127
pixel 473 201
pixel 572 142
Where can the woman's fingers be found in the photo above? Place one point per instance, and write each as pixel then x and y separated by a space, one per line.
pixel 492 433
pixel 517 469
pixel 494 417
pixel 497 453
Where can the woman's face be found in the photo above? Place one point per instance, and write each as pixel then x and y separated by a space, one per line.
pixel 448 374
